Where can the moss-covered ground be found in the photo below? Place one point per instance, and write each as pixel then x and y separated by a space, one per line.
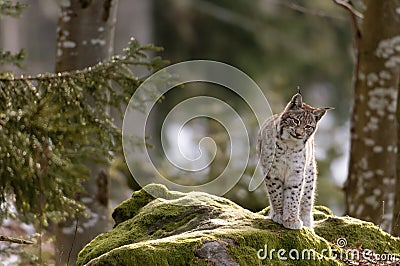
pixel 159 227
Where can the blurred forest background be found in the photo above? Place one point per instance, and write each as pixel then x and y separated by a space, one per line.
pixel 279 44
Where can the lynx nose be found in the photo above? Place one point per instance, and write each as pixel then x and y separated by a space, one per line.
pixel 300 132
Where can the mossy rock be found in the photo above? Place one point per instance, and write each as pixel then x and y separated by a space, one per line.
pixel 161 227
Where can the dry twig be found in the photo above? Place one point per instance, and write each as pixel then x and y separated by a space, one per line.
pixel 15 240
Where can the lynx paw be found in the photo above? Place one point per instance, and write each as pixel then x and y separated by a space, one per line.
pixel 308 221
pixel 295 224
pixel 276 218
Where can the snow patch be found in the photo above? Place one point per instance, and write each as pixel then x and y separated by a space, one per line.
pixel 69 44
pixel 380 172
pixel 371 79
pixel 369 142
pixel 87 200
pixel 100 42
pixel 389 49
pixel 385 75
pixel 377 149
pixel 360 191
pixel 66 18
pixel 388 181
pixel 59 52
pixel 386 47
pixel 393 61
pixel 368 175
pixel 372 124
pixel 382 98
pixel 371 200
pixel 377 192
pixel 363 164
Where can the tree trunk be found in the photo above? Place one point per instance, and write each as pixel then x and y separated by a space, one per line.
pixel 372 169
pixel 85 37
pixel 396 209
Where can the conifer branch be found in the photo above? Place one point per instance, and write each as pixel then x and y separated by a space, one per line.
pixel 50 123
pixel 8 8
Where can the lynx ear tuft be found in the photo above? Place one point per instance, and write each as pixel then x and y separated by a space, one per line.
pixel 295 103
pixel 320 112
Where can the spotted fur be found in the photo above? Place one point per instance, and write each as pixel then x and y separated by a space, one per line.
pixel 286 150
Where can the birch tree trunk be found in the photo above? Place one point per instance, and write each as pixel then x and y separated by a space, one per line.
pixel 85 37
pixel 373 155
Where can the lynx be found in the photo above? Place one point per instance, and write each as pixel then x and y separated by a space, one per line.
pixel 286 150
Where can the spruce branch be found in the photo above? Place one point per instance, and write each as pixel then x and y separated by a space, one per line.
pixel 50 123
pixel 8 8
pixel 7 58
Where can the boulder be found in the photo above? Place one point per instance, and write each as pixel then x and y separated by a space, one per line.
pixel 161 227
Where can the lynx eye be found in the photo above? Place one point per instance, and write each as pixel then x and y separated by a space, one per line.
pixel 309 128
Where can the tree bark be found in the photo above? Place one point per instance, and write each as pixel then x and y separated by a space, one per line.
pixel 373 154
pixel 85 36
pixel 396 209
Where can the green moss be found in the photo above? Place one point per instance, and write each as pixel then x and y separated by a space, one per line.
pixel 130 207
pixel 358 234
pixel 265 211
pixel 323 209
pixel 165 253
pixel 159 227
pixel 158 220
pixel 250 242
pixel 141 198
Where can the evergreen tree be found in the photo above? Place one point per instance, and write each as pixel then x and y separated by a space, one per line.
pixel 48 128
pixel 8 8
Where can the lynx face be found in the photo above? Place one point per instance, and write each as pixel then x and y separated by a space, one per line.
pixel 299 121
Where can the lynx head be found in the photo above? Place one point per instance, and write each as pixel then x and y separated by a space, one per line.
pixel 299 121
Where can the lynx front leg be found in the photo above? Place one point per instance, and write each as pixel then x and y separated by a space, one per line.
pixel 291 200
pixel 275 192
pixel 307 200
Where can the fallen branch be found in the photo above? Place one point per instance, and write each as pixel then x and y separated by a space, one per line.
pixel 15 240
